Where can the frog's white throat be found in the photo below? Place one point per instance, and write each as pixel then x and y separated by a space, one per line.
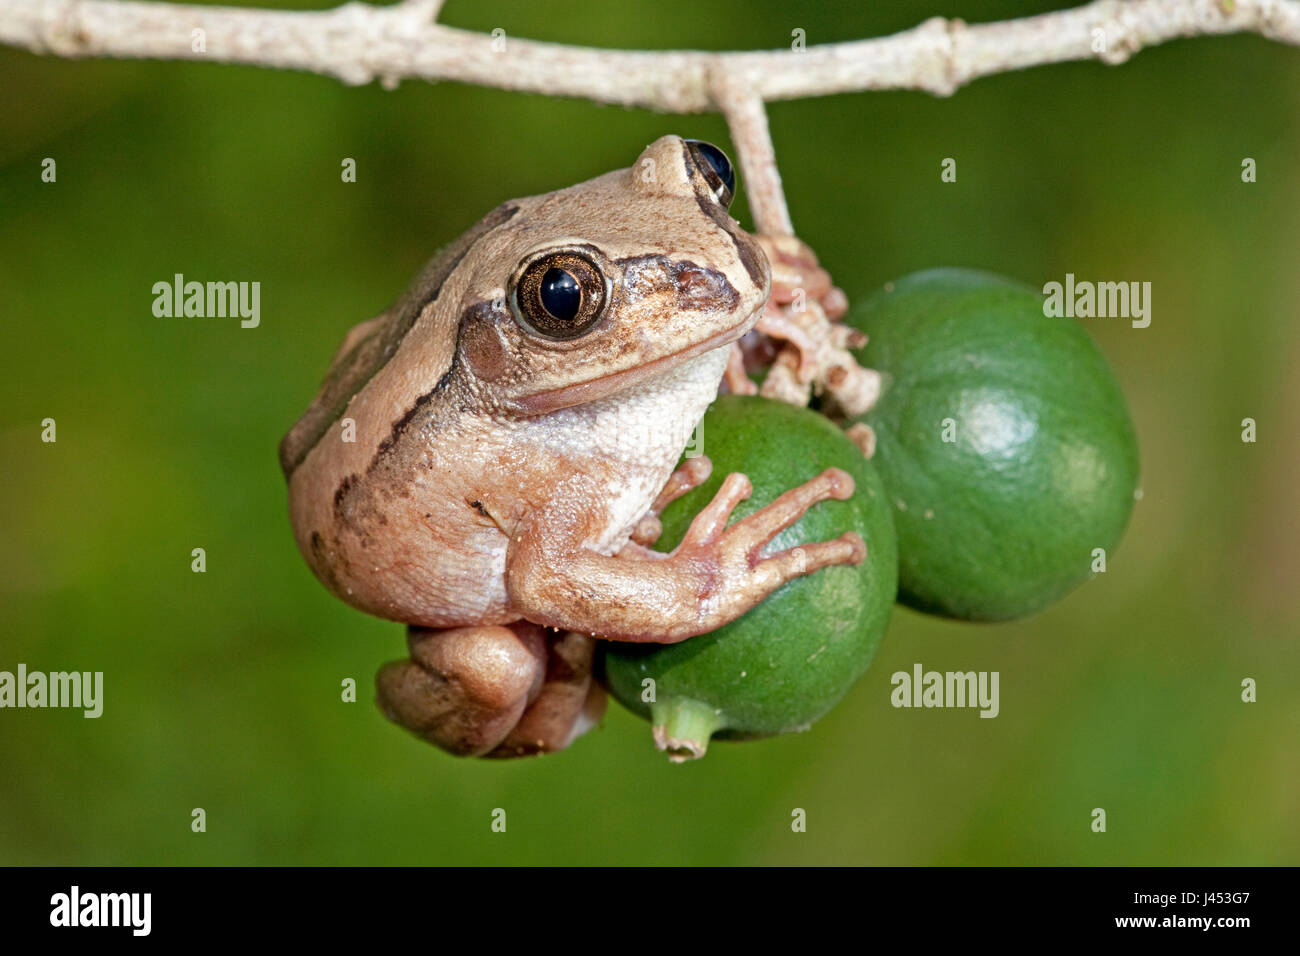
pixel 645 429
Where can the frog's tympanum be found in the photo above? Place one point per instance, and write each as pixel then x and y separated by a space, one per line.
pixel 486 460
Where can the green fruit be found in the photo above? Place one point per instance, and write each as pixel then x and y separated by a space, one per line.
pixel 1039 466
pixel 786 662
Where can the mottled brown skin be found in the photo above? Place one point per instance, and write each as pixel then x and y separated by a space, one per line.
pixel 502 481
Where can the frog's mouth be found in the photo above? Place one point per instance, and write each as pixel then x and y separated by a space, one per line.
pixel 580 393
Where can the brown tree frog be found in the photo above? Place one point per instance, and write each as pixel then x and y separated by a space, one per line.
pixel 515 423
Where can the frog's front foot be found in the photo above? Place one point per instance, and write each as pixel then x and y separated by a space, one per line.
pixel 803 312
pixel 713 576
pixel 733 576
pixel 493 690
pixel 689 474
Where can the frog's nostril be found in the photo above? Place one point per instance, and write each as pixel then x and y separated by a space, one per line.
pixel 715 167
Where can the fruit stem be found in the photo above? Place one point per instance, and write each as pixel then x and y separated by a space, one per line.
pixel 682 727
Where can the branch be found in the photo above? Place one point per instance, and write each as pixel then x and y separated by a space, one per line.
pixel 357 43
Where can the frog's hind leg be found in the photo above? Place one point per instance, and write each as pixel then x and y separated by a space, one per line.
pixel 571 702
pixel 465 688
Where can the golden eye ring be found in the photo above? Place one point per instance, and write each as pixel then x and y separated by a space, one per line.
pixel 560 294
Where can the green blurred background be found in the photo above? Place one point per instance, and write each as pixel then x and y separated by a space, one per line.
pixel 222 690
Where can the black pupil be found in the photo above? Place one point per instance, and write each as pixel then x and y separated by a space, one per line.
pixel 560 293
pixel 718 160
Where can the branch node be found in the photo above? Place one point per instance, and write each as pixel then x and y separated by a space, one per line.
pixel 959 73
pixel 1120 37
pixel 63 31
pixel 418 13
pixel 1277 21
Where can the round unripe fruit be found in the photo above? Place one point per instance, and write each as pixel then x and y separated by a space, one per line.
pixel 1003 438
pixel 786 662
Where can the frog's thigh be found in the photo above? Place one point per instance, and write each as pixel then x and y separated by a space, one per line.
pixel 464 688
pixel 569 705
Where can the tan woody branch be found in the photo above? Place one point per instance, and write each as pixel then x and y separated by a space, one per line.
pixel 358 43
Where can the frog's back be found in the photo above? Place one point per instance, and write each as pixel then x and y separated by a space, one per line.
pixel 350 455
pixel 369 347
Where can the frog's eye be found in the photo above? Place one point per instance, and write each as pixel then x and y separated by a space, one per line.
pixel 715 168
pixel 560 295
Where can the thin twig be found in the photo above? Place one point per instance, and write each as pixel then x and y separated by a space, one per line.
pixel 747 119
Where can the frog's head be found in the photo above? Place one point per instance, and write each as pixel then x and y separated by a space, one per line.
pixel 597 288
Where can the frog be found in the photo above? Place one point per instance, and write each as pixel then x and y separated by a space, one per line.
pixel 486 460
